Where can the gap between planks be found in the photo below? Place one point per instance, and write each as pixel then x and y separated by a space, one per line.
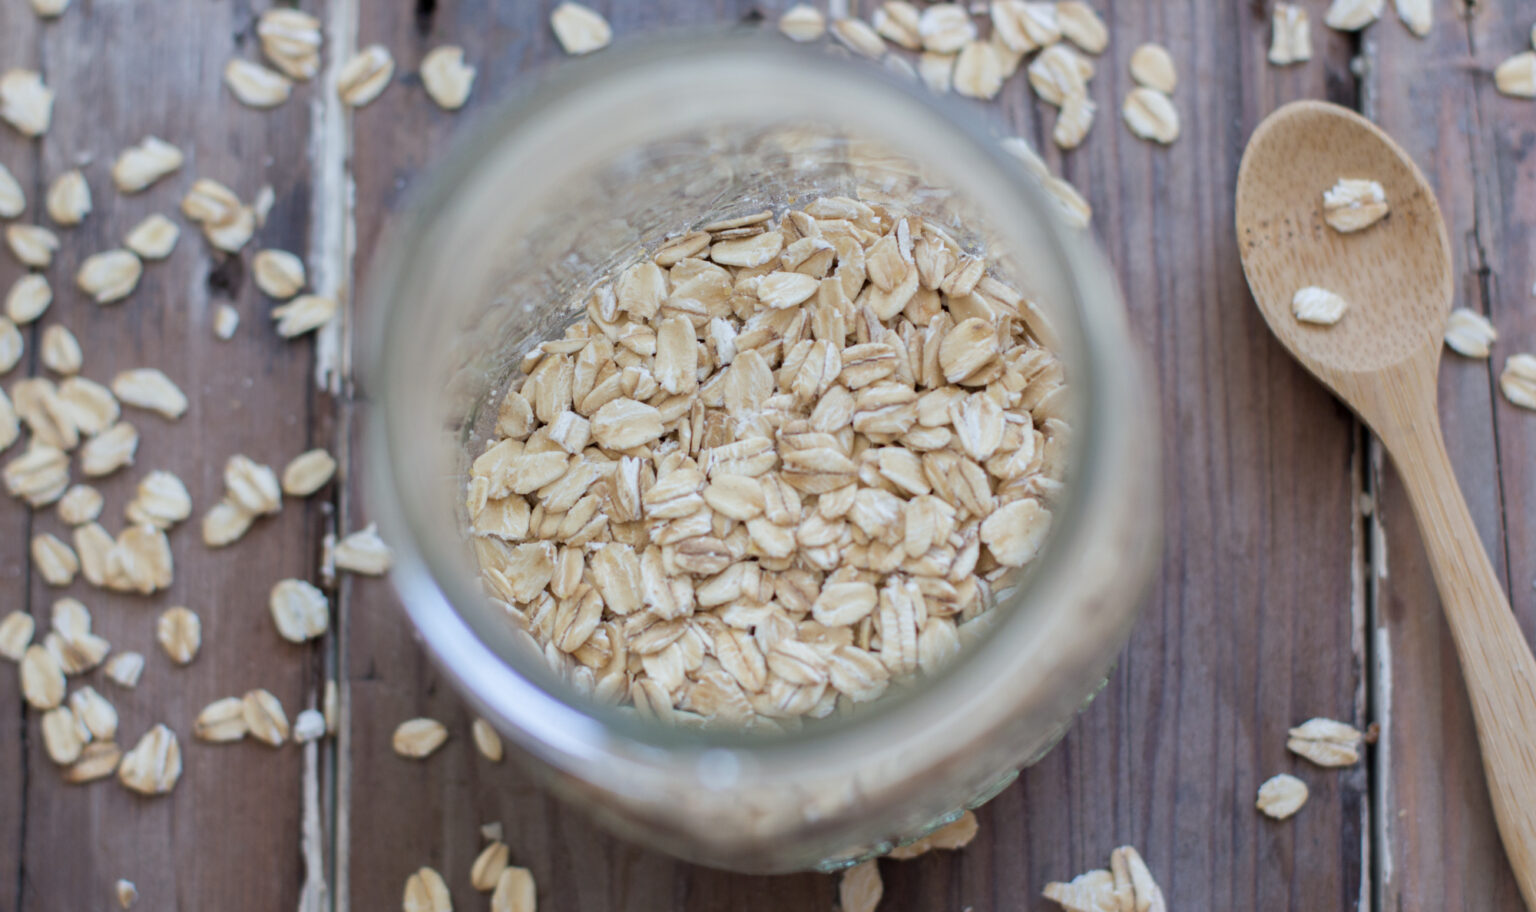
pixel 327 790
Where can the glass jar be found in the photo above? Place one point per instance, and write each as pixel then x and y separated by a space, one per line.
pixel 595 166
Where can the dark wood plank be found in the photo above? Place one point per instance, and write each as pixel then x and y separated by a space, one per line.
pixel 230 830
pixel 1253 624
pixel 18 46
pixel 1440 845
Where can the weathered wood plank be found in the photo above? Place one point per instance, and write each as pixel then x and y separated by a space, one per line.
pixel 230 830
pixel 1441 847
pixel 1250 626
pixel 18 46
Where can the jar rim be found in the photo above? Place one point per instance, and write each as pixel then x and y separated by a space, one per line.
pixel 555 724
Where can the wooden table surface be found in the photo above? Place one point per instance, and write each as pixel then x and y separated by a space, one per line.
pixel 1293 583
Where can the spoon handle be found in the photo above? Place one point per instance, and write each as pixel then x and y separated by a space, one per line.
pixel 1496 661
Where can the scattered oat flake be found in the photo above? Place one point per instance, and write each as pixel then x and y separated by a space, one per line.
pixel 62 735
pixel 127 894
pixel 299 610
pixel 28 299
pixel 936 71
pixel 1417 15
pixel 264 717
pixel 1354 204
pixel 515 891
pixel 309 725
pixel 858 36
pixel 425 891
pixel 98 760
pixel 109 276
pixel 210 203
pixel 1518 380
pixel 803 23
pixel 291 40
pixel 1073 122
pixel 1291 41
pixel 255 85
pixel 1134 886
pixel 419 738
pixel 446 77
pixel 978 71
pixel 308 472
pixel 1093 891
pixel 25 102
pixel 1469 333
pixel 233 235
pixel 580 29
pixel 110 450
pixel 12 200
pixel 69 198
pixel 33 245
pixel 897 22
pixel 860 888
pixel 153 765
pixel 153 238
pixel 1516 76
pixel 80 504
pixel 60 350
pixel 150 389
pixel 1082 26
pixel 303 314
pixel 49 9
pixel 1318 305
pixel 95 712
pixel 488 866
pixel 364 552
pixel 1353 15
pixel 124 669
pixel 139 166
pixel 42 681
pixel 221 721
pixel 278 273
pixel 486 740
pixel 954 835
pixel 55 561
pixel 226 319
pixel 11 348
pixel 1325 742
pixel 179 633
pixel 1151 115
pixel 161 501
pixel 16 634
pixel 1281 796
pixel 226 523
pixel 366 75
pixel 1153 67
pixel 945 28
pixel 252 486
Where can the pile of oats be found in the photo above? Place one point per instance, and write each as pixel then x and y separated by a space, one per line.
pixel 776 466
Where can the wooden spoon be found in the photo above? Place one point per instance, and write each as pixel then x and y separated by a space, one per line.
pixel 1382 359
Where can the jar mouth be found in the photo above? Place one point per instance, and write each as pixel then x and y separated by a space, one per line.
pixel 574 116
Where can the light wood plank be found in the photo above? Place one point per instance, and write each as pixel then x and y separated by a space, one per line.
pixel 231 827
pixel 1441 847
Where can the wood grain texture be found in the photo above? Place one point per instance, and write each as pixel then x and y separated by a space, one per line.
pixel 1440 847
pixel 18 45
pixel 229 830
pixel 1250 628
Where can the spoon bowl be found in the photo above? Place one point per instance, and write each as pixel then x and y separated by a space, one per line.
pixel 1396 275
pixel 1381 358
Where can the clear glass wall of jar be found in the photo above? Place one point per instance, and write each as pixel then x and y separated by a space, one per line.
pixel 591 168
